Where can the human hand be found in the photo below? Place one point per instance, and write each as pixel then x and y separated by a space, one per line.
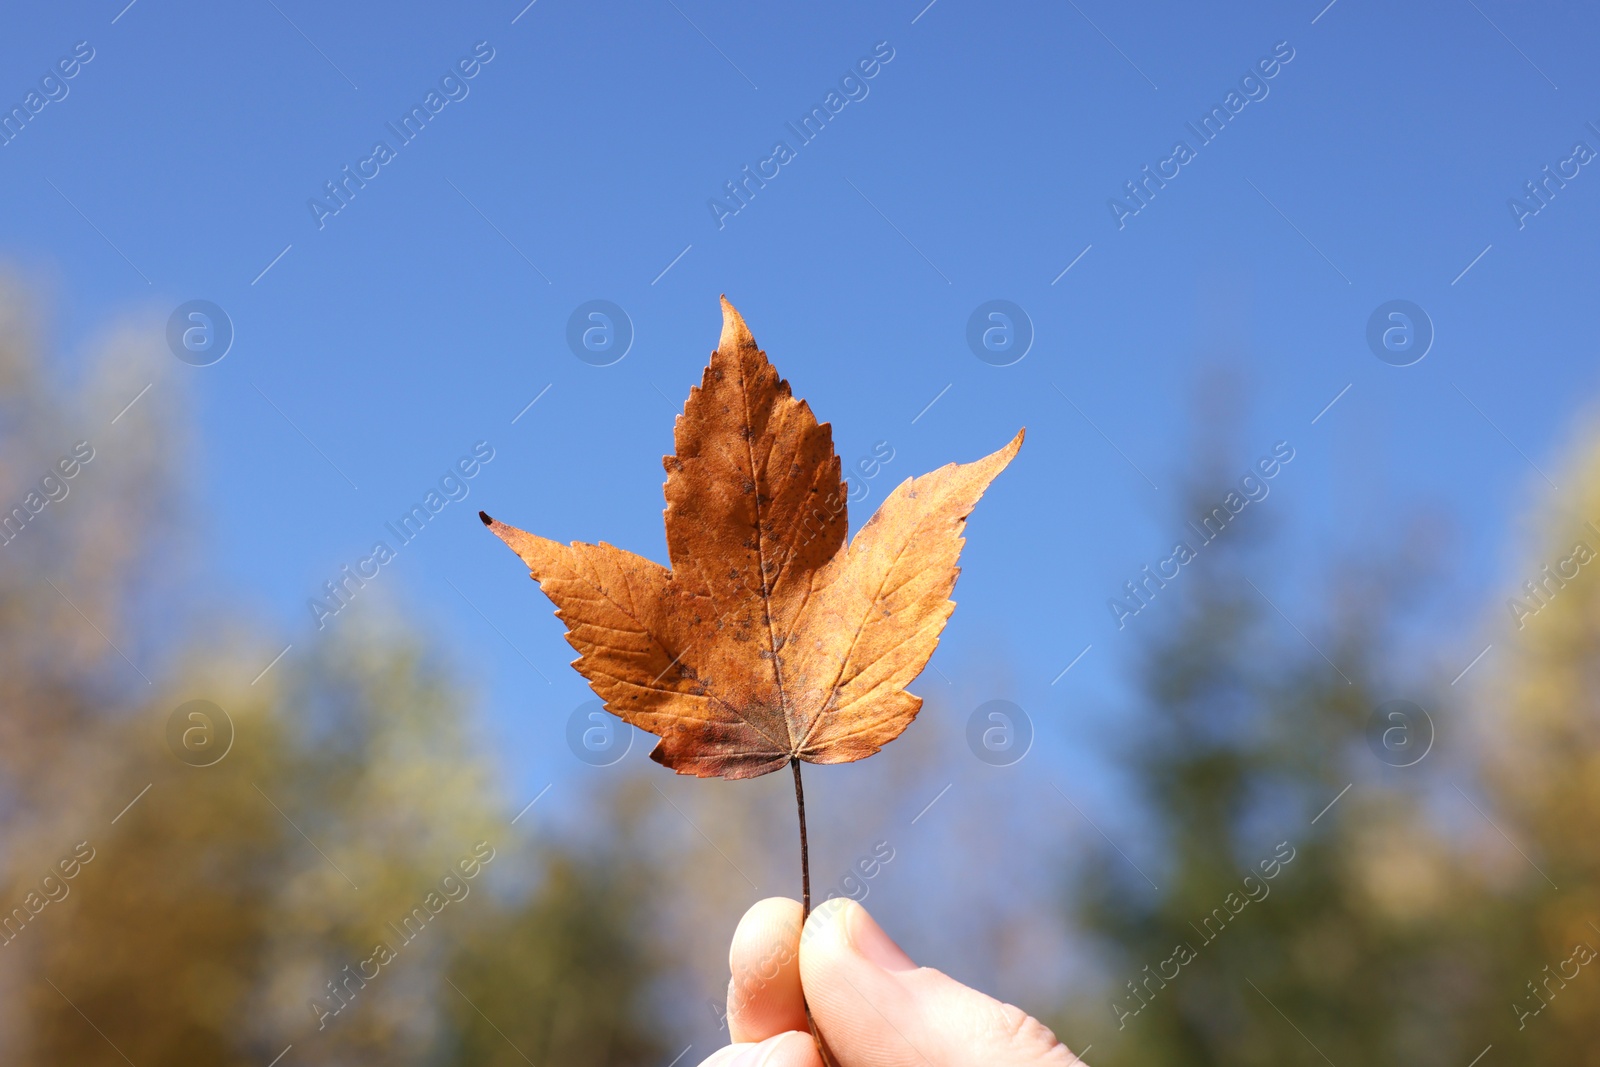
pixel 873 1006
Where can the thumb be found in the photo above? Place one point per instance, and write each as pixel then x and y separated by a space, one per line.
pixel 876 1008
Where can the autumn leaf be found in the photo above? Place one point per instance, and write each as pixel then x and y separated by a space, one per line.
pixel 770 640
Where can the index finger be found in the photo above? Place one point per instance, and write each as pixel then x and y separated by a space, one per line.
pixel 764 997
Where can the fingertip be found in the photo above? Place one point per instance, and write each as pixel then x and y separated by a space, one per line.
pixel 826 920
pixel 764 996
pixel 767 922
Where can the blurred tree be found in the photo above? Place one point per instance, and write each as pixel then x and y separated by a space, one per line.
pixel 156 952
pixel 564 975
pixel 86 487
pixel 223 904
pixel 86 480
pixel 208 908
pixel 1541 752
pixel 1281 933
pixel 382 778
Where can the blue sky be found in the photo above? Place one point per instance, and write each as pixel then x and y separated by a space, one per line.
pixel 977 163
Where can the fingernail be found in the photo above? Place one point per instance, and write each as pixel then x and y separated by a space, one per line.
pixel 870 940
pixel 755 1057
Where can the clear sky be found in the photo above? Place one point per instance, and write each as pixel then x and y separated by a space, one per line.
pixel 986 157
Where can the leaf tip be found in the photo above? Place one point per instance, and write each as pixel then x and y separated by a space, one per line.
pixel 734 331
pixel 1009 452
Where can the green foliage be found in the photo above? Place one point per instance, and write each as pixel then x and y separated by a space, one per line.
pixel 1541 759
pixel 561 979
pixel 1419 922
pixel 1272 939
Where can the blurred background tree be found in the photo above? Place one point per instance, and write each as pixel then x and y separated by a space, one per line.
pixel 566 972
pixel 1540 754
pixel 1251 726
pixel 226 897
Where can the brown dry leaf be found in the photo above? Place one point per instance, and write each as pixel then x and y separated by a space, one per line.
pixel 769 640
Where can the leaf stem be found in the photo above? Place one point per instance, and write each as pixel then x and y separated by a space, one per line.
pixel 805 857
pixel 805 909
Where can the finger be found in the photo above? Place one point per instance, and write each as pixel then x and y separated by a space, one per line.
pixel 876 1008
pixel 764 992
pixel 792 1049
